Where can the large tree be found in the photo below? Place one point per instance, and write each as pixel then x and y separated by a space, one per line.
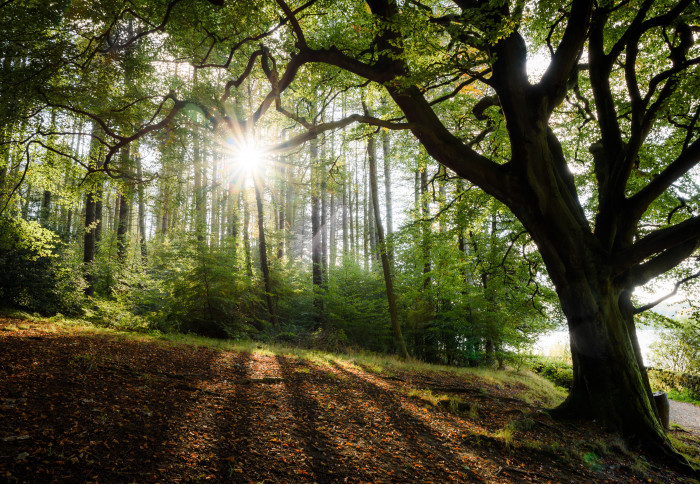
pixel 636 93
pixel 625 74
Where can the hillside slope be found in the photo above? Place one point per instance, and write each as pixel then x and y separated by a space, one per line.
pixel 79 406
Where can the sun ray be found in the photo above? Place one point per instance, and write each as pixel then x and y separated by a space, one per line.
pixel 248 155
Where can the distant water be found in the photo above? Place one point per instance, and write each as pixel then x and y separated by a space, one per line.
pixel 551 344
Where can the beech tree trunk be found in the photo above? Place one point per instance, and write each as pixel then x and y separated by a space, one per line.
pixel 282 211
pixel 200 201
pixel 246 238
pixel 324 223
pixel 93 218
pixel 351 219
pixel 610 382
pixel 99 204
pixel 345 217
pixel 264 267
pixel 216 205
pixel 142 211
pixel 333 229
pixel 124 212
pixel 89 244
pixel 316 249
pixel 123 227
pixel 386 149
pixel 442 195
pixel 45 211
pixel 290 213
pixel 384 256
pixel 358 232
pixel 234 199
pixel 425 212
pixel 371 226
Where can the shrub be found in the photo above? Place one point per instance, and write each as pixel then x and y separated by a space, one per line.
pixel 204 293
pixel 678 347
pixel 35 273
pixel 332 340
pixel 558 372
pixel 667 380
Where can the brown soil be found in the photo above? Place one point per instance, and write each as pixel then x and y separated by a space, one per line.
pixel 78 407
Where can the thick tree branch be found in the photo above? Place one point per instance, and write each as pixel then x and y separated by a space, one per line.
pixel 638 26
pixel 600 67
pixel 638 203
pixel 280 85
pixel 314 130
pixel 564 61
pixel 423 121
pixel 244 75
pixel 301 39
pixel 660 241
pixel 667 260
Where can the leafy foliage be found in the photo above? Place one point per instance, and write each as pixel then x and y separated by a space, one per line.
pixel 205 294
pixel 34 272
pixel 558 372
pixel 678 347
pixel 674 381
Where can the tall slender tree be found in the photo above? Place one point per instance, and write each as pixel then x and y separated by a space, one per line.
pixel 383 252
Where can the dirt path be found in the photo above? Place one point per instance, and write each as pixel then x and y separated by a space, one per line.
pixel 686 415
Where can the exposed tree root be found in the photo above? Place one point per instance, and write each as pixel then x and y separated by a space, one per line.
pixel 657 445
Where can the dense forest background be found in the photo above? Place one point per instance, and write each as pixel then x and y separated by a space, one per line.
pixel 219 231
pixel 173 238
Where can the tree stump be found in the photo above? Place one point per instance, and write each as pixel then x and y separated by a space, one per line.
pixel 662 408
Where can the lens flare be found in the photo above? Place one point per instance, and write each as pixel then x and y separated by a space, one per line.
pixel 248 156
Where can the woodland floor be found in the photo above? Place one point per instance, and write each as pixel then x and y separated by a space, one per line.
pixel 81 407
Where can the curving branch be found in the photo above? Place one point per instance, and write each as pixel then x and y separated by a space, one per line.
pixel 122 140
pixel 456 90
pixel 19 183
pixel 290 15
pixel 664 245
pixel 235 48
pixel 244 75
pixel 639 202
pixel 313 131
pixel 664 262
pixel 678 284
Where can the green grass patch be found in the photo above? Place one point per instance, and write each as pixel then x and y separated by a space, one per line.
pixel 689 447
pixel 683 395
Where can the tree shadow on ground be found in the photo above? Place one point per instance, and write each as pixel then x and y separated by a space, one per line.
pixel 91 408
pixel 88 407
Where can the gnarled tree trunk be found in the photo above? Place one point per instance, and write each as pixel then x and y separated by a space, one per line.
pixel 610 382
